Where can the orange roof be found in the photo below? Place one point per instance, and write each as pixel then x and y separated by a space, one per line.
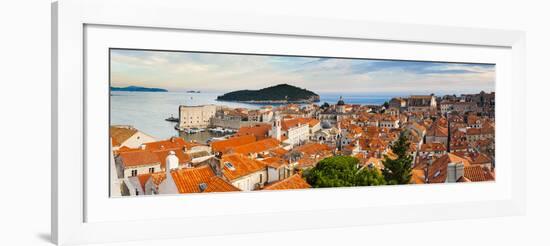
pixel 389 118
pixel 182 157
pixel 225 145
pixel 257 147
pixel 355 129
pixel 158 177
pixel 438 131
pixel 293 182
pixel 241 166
pixel 217 184
pixel 138 158
pixel 261 131
pixel 417 176
pixel 121 134
pixel 275 162
pixel 306 162
pixel 473 119
pixel 485 129
pixel 143 178
pixel 377 162
pixel 279 151
pixel 168 144
pixel 478 174
pixel 312 148
pixel 188 180
pixel 160 148
pixel 437 172
pixel 474 157
pixel 373 144
pixel 480 159
pixel 287 124
pixel 430 147
pixel 463 179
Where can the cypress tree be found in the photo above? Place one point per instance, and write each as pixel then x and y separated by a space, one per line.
pixel 399 170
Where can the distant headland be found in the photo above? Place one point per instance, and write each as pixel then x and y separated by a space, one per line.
pixel 138 89
pixel 278 94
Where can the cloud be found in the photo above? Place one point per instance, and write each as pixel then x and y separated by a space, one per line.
pixel 224 72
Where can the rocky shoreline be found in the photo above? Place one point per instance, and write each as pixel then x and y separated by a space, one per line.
pixel 266 102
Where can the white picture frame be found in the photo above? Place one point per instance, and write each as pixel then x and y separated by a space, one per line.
pixel 79 216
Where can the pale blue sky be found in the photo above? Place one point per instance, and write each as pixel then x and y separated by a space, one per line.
pixel 180 71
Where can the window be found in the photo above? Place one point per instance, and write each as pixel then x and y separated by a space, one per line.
pixel 261 178
pixel 151 170
pixel 134 173
pixel 230 166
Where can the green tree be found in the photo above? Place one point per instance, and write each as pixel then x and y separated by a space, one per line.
pixel 342 171
pixel 398 171
pixel 325 105
pixel 386 104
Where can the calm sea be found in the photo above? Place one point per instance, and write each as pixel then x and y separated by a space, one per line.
pixel 147 111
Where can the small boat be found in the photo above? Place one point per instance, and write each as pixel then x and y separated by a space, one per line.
pixel 213 139
pixel 217 130
pixel 190 130
pixel 172 119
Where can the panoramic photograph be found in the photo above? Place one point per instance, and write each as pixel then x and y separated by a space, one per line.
pixel 201 122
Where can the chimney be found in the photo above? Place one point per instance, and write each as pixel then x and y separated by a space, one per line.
pixel 142 146
pixel 172 162
pixel 216 164
pixel 454 172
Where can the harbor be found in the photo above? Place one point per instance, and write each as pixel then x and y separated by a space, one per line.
pixel 205 135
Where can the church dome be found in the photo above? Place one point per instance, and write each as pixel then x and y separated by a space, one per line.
pixel 341 102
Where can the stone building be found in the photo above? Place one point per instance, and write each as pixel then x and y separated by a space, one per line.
pixel 422 103
pixel 196 116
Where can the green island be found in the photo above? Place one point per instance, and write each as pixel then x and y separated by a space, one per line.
pixel 137 88
pixel 278 94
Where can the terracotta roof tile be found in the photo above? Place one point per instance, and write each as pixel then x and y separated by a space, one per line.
pixel 293 182
pixel 121 134
pixel 312 148
pixel 261 131
pixel 257 147
pixel 241 166
pixel 287 124
pixel 478 173
pixel 430 147
pixel 225 145
pixel 168 144
pixel 275 162
pixel 217 184
pixel 437 131
pixel 138 158
pixel 279 152
pixel 437 172
pixel 182 157
pixel 418 176
pixel 188 180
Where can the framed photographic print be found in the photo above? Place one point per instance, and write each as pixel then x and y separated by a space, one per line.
pixel 170 123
